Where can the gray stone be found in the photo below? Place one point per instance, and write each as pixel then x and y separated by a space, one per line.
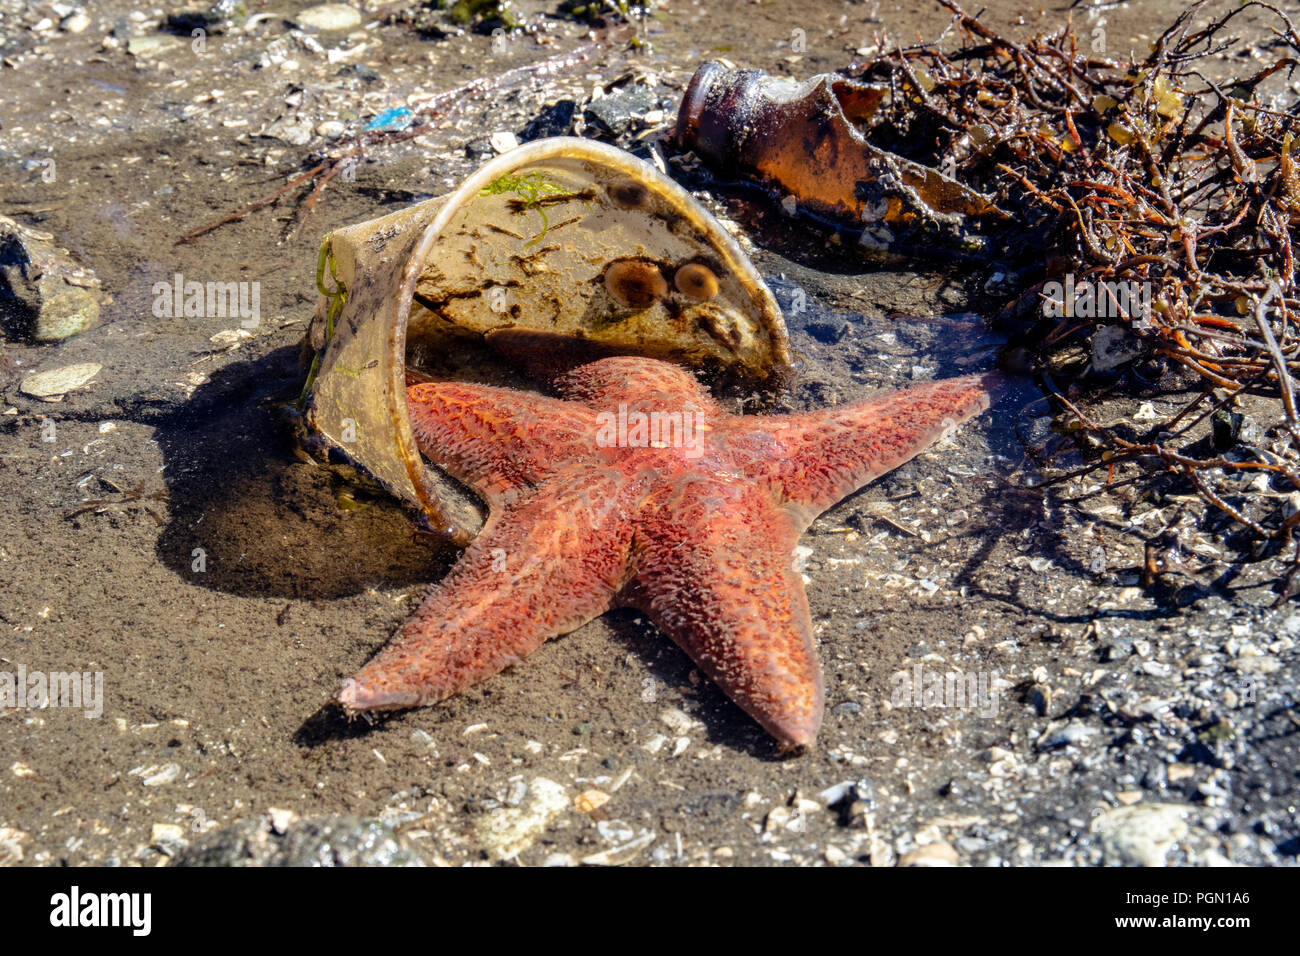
pixel 1140 835
pixel 613 114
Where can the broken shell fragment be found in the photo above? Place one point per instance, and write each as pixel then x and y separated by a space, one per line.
pixel 561 246
pixel 805 140
pixel 54 384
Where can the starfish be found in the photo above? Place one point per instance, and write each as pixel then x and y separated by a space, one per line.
pixel 638 489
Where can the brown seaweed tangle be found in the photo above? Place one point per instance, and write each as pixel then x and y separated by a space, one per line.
pixel 1163 176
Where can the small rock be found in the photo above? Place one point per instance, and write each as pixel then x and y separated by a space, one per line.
pixel 152 46
pixel 590 800
pixel 1257 665
pixel 1064 733
pixel 169 838
pixel 507 832
pixel 210 19
pixel 330 129
pixel 479 149
pixel 11 846
pixel 329 16
pixel 1113 346
pixel 932 854
pixel 280 820
pixel 613 114
pixel 44 295
pixel 362 72
pixel 290 130
pixel 1157 668
pixel 880 853
pixel 556 119
pixel 1117 649
pixel 503 141
pixel 1139 835
pixel 55 383
pixel 75 22
pixel 678 721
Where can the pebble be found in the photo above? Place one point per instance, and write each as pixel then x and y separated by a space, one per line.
pixel 56 298
pixel 290 130
pixel 1257 665
pixel 1140 835
pixel 1061 734
pixel 555 119
pixel 54 384
pixel 678 721
pixel 11 846
pixel 880 854
pixel 330 129
pixel 167 837
pixel 75 23
pixel 503 141
pixel 329 16
pixel 931 854
pixel 613 114
pixel 152 46
pixel 1118 649
pixel 280 820
pixel 590 800
pixel 507 832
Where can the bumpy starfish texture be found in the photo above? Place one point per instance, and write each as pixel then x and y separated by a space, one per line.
pixel 639 490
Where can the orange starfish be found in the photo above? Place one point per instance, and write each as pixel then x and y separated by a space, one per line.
pixel 641 491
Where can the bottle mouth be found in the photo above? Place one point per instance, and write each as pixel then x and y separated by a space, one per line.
pixel 704 123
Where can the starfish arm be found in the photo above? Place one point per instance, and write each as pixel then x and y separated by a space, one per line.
pixel 818 458
pixel 714 571
pixel 497 441
pixel 634 382
pixel 540 568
